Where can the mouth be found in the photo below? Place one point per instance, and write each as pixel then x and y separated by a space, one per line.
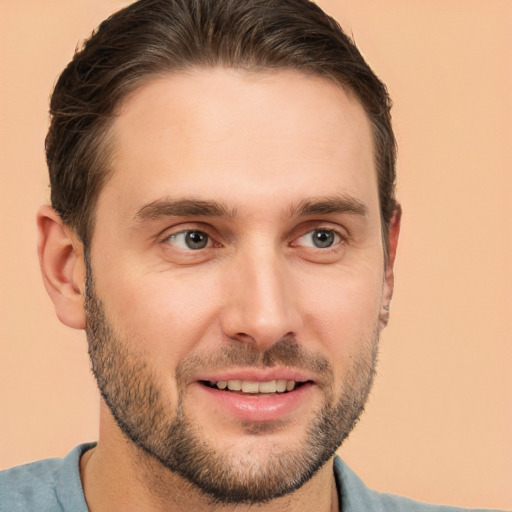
pixel 255 394
pixel 256 398
pixel 249 387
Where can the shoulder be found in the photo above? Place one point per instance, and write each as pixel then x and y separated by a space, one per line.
pixel 30 485
pixel 50 485
pixel 356 496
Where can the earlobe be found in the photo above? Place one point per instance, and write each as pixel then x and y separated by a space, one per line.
pixel 62 266
pixel 389 277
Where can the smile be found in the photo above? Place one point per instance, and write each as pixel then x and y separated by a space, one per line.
pixel 257 398
pixel 255 387
pixel 253 394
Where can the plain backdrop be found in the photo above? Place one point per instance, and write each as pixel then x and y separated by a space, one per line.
pixel 438 425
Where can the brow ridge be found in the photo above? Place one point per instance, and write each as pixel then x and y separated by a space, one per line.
pixel 182 208
pixel 329 205
pixel 335 204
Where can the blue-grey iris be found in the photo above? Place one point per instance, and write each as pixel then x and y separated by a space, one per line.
pixel 196 240
pixel 323 238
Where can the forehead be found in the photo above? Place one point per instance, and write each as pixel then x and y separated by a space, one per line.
pixel 273 135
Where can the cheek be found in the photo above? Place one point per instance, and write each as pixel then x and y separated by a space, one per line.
pixel 344 309
pixel 161 315
pixel 345 323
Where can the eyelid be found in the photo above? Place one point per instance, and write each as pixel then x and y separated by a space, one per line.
pixel 310 226
pixel 183 226
pixel 339 238
pixel 183 232
pixel 186 227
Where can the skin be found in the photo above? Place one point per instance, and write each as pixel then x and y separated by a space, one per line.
pixel 261 145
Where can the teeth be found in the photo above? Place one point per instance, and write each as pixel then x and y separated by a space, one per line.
pixel 247 386
pixel 280 386
pixel 268 387
pixel 250 387
pixel 235 385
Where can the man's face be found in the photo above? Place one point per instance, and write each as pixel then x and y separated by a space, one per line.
pixel 237 244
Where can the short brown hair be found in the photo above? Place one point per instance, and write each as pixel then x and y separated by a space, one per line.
pixel 154 37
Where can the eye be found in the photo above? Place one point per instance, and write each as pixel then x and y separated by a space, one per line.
pixel 320 239
pixel 192 240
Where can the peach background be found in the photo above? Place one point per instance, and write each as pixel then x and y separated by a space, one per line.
pixel 439 422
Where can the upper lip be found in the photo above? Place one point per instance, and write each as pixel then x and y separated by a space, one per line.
pixel 255 375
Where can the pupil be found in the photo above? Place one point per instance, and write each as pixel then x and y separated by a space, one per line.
pixel 196 240
pixel 323 239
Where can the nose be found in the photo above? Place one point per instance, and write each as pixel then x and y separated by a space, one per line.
pixel 260 304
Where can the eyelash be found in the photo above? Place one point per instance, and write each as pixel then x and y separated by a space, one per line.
pixel 168 238
pixel 339 238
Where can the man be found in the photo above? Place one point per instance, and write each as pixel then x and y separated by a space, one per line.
pixel 224 227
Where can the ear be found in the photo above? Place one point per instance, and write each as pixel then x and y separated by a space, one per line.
pixel 62 264
pixel 389 276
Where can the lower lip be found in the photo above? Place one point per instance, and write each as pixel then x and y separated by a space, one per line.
pixel 259 407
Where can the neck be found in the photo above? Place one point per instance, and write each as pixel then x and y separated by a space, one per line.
pixel 118 476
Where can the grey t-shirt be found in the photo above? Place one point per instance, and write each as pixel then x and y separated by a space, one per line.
pixel 54 485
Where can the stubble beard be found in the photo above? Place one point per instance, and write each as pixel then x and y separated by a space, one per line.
pixel 130 390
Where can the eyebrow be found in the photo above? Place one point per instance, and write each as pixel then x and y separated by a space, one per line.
pixel 162 208
pixel 329 204
pixel 182 208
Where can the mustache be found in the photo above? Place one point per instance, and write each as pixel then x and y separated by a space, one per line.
pixel 285 352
